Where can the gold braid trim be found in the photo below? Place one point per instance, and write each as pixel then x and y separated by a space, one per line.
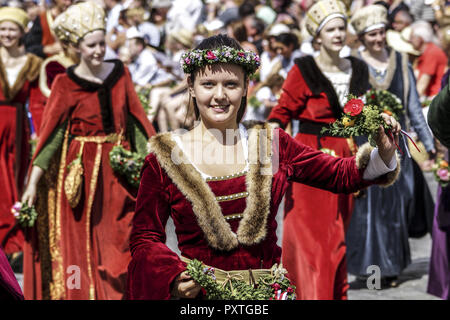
pixel 57 289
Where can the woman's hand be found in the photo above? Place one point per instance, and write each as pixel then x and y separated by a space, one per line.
pixel 185 287
pixel 29 196
pixel 387 146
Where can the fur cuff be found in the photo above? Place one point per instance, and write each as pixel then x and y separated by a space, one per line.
pixel 363 158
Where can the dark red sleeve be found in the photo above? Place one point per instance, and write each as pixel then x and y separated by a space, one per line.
pixel 153 266
pixel 317 169
pixel 292 99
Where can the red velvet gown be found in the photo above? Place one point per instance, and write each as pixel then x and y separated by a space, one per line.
pixel 172 187
pixel 315 258
pixel 14 147
pixel 83 252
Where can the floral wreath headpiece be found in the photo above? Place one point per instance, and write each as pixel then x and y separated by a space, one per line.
pixel 195 59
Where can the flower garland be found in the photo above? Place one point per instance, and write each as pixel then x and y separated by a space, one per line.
pixel 386 102
pixel 270 287
pixel 126 163
pixel 196 59
pixel 359 120
pixel 26 216
pixel 441 172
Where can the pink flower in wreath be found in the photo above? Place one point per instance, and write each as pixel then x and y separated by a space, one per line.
pixel 443 174
pixel 241 54
pixel 187 60
pixel 354 107
pixel 210 55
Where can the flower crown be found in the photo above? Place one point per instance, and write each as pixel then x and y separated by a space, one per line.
pixel 195 59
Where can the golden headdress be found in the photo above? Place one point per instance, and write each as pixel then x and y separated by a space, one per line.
pixel 369 18
pixel 16 15
pixel 78 20
pixel 322 12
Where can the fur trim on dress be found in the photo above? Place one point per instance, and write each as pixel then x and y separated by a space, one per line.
pixel 362 160
pixel 218 233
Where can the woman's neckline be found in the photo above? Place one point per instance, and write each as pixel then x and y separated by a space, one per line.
pixel 109 81
pixel 244 141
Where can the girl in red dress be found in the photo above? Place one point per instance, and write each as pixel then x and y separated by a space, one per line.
pixel 222 182
pixel 80 247
pixel 19 72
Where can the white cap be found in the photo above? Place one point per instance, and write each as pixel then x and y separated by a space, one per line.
pixel 278 29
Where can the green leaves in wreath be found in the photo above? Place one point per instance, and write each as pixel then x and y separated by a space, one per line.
pixel 272 286
pixel 127 163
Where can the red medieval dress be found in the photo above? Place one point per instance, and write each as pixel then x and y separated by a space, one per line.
pixel 237 232
pixel 14 147
pixel 315 257
pixel 83 252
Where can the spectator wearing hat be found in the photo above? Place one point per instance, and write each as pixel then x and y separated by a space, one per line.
pixel 40 40
pixel 143 67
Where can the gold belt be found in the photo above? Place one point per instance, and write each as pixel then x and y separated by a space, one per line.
pixel 250 276
pixel 111 138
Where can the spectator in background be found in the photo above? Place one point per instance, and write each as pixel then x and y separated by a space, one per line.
pixel 287 45
pixel 40 40
pixel 185 14
pixel 143 66
pixel 237 30
pixel 150 32
pixel 432 62
pixel 33 10
pixel 401 20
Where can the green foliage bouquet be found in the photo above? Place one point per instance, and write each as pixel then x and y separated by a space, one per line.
pixel 274 286
pixel 126 163
pixel 359 120
pixel 386 102
pixel 26 216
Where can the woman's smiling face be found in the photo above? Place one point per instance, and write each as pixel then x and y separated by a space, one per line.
pixel 218 90
pixel 10 34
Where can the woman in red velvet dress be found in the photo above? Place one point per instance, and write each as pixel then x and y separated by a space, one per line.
pixel 19 73
pixel 314 92
pixel 80 246
pixel 222 183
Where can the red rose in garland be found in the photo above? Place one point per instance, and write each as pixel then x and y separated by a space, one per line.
pixel 354 107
